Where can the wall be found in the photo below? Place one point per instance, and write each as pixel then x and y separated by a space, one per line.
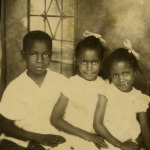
pixel 117 20
pixel 114 19
pixel 15 28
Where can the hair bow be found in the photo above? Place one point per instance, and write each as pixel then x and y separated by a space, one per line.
pixel 88 33
pixel 128 45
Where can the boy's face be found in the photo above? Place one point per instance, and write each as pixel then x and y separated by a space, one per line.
pixel 37 57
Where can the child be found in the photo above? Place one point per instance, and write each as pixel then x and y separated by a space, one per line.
pixel 115 115
pixel 78 101
pixel 28 100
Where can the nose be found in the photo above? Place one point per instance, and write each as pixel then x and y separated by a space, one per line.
pixel 89 66
pixel 121 78
pixel 39 58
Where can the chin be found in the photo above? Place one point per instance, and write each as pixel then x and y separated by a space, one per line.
pixel 39 72
pixel 90 78
pixel 124 89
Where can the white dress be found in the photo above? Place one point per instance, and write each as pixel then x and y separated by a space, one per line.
pixel 83 97
pixel 121 110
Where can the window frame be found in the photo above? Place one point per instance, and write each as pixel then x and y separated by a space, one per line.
pixel 61 16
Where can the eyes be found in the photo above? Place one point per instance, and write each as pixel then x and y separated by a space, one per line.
pixel 95 62
pixel 34 54
pixel 46 54
pixel 125 73
pixel 115 75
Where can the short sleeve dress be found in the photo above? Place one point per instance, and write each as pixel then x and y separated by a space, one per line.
pixel 121 110
pixel 83 97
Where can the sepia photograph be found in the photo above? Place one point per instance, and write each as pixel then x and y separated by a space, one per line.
pixel 74 75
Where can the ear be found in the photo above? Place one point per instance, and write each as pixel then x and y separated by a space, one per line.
pixel 22 53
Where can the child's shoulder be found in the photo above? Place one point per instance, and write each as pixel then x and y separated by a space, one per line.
pixel 141 100
pixel 76 79
pixel 139 95
pixel 19 80
pixel 17 83
pixel 55 76
pixel 104 86
pixel 101 80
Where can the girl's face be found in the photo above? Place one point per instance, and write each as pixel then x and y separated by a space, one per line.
pixel 122 75
pixel 89 62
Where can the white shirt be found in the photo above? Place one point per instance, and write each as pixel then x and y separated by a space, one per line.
pixel 31 106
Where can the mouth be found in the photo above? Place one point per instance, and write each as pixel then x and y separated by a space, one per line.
pixel 39 68
pixel 89 73
pixel 123 84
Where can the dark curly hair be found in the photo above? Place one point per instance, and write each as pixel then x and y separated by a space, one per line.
pixel 32 36
pixel 120 54
pixel 90 42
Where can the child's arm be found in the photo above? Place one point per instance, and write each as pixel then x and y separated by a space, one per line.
pixel 10 129
pixel 102 130
pixel 143 120
pixel 58 121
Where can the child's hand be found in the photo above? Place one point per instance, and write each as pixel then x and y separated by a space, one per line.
pixel 98 146
pixel 129 145
pixel 139 140
pixel 97 140
pixel 35 146
pixel 51 140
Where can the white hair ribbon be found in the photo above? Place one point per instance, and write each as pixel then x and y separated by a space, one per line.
pixel 128 45
pixel 88 33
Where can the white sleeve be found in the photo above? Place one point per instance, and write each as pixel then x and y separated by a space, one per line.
pixel 67 88
pixel 62 82
pixel 10 107
pixel 143 103
pixel 105 89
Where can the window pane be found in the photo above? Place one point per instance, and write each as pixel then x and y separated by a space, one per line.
pixel 36 23
pixel 52 7
pixel 36 8
pixel 59 28
pixel 59 3
pixel 68 7
pixel 67 54
pixel 68 29
pixel 53 25
pixel 58 33
pixel 56 56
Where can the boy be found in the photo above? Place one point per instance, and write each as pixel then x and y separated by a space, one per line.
pixel 27 102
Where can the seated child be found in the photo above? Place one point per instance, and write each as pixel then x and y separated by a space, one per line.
pixel 28 100
pixel 74 111
pixel 115 115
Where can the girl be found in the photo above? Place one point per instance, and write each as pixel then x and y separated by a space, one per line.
pixel 117 122
pixel 78 100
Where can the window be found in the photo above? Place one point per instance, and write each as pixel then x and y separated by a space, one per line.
pixel 57 18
